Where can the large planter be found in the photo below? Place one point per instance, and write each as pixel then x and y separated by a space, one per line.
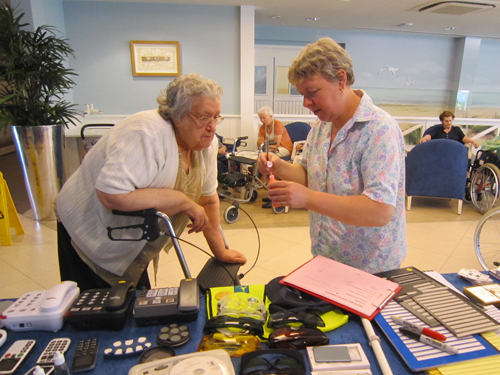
pixel 41 153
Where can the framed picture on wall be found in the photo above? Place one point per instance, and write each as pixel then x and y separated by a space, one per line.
pixel 150 58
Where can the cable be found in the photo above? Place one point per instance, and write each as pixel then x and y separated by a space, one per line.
pixel 235 282
pixel 241 275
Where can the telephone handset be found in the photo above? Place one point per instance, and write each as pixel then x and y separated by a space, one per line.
pixel 118 295
pixel 168 305
pixel 102 308
pixel 55 296
pixel 41 310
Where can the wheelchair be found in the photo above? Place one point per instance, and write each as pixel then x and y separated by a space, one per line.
pixel 483 181
pixel 239 183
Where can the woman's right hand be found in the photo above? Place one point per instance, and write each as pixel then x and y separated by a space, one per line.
pixel 262 163
pixel 198 216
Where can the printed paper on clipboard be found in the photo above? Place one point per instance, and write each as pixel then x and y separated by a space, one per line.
pixel 354 290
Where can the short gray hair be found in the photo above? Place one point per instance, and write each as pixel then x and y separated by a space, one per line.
pixel 266 110
pixel 324 57
pixel 176 100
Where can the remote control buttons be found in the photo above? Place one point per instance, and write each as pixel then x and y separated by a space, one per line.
pixel 173 335
pixel 128 348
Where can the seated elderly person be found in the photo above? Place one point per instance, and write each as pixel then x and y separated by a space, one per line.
pixel 166 159
pixel 275 132
pixel 447 130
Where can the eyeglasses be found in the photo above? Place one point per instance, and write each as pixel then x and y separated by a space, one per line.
pixel 276 361
pixel 207 120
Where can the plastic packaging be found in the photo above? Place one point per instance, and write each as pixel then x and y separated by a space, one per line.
pixel 60 366
pixel 38 371
pixel 272 179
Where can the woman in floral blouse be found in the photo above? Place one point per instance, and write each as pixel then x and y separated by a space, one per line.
pixel 352 175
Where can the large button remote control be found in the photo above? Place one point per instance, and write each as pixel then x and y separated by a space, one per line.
pixel 173 335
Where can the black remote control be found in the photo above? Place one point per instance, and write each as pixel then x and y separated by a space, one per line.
pixel 85 355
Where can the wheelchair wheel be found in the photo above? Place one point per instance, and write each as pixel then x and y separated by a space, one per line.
pixel 487 239
pixel 278 210
pixel 484 187
pixel 231 214
pixel 253 197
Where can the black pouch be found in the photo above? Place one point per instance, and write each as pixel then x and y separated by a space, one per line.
pixel 288 305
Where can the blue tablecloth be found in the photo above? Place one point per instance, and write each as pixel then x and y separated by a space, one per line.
pixel 351 332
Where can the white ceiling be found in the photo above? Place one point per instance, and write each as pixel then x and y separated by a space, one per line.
pixel 383 15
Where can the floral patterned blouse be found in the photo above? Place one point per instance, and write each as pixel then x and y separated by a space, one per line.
pixel 366 157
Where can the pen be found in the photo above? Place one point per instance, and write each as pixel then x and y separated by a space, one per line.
pixel 415 328
pixel 427 340
pixel 269 163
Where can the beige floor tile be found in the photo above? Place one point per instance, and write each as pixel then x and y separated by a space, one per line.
pixel 458 228
pixel 424 259
pixel 453 265
pixel 288 260
pixel 47 279
pixel 17 289
pixel 465 250
pixel 295 234
pixel 9 275
pixel 425 239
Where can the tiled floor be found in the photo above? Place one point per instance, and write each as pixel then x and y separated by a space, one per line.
pixel 438 239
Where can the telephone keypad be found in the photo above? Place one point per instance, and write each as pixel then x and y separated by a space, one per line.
pixel 90 301
pixel 55 345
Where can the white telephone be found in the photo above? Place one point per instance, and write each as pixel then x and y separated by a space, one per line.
pixel 42 310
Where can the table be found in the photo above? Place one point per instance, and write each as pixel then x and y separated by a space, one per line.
pixel 351 332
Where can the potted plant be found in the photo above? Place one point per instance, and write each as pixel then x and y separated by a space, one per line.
pixel 33 81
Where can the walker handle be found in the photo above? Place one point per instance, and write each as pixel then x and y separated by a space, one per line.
pixel 150 228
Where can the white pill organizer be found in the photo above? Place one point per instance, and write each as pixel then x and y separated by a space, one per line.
pixel 42 310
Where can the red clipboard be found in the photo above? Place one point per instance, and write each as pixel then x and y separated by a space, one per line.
pixel 352 289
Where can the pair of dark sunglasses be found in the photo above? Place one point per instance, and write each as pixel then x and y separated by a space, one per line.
pixel 241 325
pixel 277 361
pixel 292 338
pixel 294 319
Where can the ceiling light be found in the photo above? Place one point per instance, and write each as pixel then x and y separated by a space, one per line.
pixel 405 24
pixel 275 17
pixel 450 28
pixel 312 19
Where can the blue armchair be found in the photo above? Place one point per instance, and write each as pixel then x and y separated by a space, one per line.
pixel 437 168
pixel 298 132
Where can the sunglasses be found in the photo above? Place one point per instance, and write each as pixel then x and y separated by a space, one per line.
pixel 240 325
pixel 294 319
pixel 277 361
pixel 290 338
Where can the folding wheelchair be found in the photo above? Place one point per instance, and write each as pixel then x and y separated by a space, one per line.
pixel 483 182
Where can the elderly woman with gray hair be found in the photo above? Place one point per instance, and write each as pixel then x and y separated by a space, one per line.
pixel 352 175
pixel 275 132
pixel 164 159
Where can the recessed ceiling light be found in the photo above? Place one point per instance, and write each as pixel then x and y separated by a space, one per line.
pixel 312 19
pixel 405 24
pixel 450 28
pixel 275 17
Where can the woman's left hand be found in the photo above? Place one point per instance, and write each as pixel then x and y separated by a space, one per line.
pixel 232 256
pixel 287 193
